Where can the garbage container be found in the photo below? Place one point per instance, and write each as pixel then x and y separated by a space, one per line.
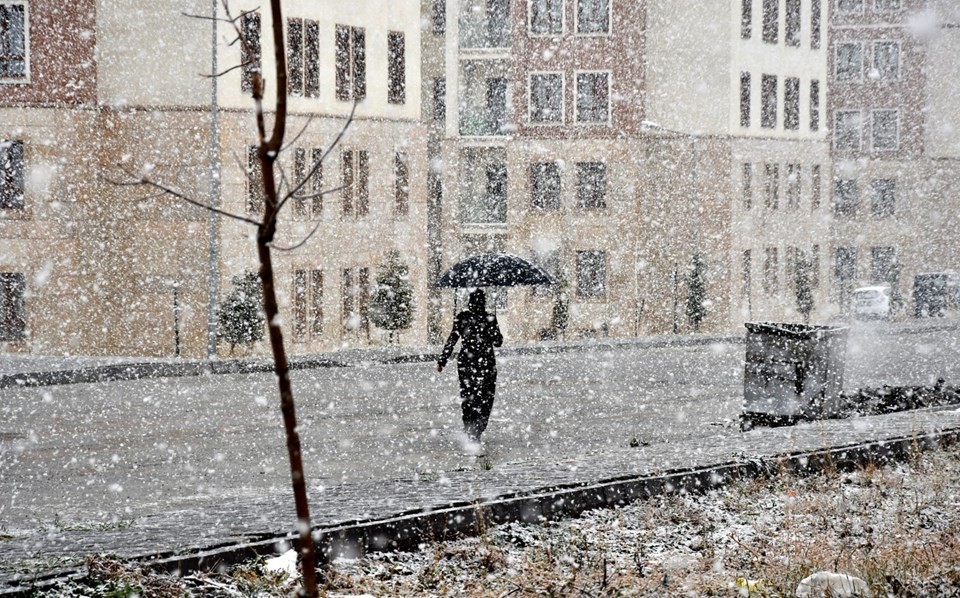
pixel 792 372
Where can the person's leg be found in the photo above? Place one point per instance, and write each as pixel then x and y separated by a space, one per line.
pixel 487 393
pixel 470 401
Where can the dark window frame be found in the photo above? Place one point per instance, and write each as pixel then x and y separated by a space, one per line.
pixel 12 174
pixel 592 194
pixel 13 317
pixel 396 68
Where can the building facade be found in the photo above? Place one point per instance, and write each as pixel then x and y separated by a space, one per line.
pixel 894 145
pixel 93 265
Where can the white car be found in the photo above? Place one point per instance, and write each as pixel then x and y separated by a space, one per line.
pixel 871 302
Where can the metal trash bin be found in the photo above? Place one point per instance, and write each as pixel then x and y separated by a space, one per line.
pixel 792 372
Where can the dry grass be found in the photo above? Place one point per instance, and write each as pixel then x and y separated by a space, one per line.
pixel 896 528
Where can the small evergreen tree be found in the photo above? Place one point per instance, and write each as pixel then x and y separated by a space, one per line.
pixel 240 320
pixel 804 287
pixel 392 306
pixel 561 306
pixel 697 291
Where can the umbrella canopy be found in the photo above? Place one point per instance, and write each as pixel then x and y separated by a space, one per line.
pixel 493 270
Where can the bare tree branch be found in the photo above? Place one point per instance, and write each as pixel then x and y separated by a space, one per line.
pixel 300 134
pixel 323 158
pixel 164 190
pixel 302 242
pixel 224 72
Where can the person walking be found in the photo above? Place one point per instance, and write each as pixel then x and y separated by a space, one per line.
pixel 479 333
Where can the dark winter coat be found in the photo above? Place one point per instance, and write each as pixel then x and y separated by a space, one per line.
pixel 479 333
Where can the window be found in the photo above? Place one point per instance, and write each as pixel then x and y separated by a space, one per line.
pixel 13 320
pixel 14 32
pixel 791 34
pixel 816 182
pixel 546 17
pixel 250 49
pixel 815 10
pixel 355 180
pixel 591 185
pixel 255 193
pixel 790 259
pixel 886 129
pixel 496 193
pixel 295 57
pixel 793 185
pixel 886 60
pixel 550 262
pixel 440 99
pixel 593 16
pixel 768 109
pixel 847 130
pixel 545 185
pixel 591 274
pixel 11 175
pixel 771 21
pixel 771 265
pixel 316 180
pixel 351 63
pixel 849 64
pixel 814 268
pixel 886 5
pixel 846 197
pixel 546 98
pixel 845 265
pixel 744 99
pixel 747 185
pixel 593 97
pixel 301 203
pixel 851 6
pixel 746 19
pixel 883 264
pixel 791 103
pixel 771 185
pixel 396 68
pixel 438 17
pixel 814 105
pixel 884 198
pixel 401 184
pixel 746 283
pixel 307 303
pixel 355 292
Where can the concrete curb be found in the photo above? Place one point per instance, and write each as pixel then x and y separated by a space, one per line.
pixel 405 531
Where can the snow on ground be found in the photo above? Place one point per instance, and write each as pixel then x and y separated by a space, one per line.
pixel 895 527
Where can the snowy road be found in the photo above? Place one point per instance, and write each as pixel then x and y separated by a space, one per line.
pixel 106 453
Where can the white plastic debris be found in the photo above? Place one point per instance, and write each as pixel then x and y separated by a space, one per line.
pixel 285 563
pixel 835 585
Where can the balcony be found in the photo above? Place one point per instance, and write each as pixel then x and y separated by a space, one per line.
pixel 483 187
pixel 485 24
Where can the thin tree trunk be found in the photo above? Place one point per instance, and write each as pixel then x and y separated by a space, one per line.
pixel 267 152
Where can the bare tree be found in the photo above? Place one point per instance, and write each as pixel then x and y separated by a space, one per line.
pixel 277 193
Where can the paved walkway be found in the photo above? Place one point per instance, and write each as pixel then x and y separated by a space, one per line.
pixel 692 425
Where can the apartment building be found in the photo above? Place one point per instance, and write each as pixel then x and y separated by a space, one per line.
pixel 614 141
pixel 894 146
pixel 87 100
pixel 752 77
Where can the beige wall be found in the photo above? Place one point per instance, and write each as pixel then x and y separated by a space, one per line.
pixel 151 54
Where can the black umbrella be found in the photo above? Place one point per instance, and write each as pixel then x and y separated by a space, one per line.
pixel 493 270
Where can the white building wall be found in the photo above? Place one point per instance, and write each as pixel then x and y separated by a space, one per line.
pixel 377 18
